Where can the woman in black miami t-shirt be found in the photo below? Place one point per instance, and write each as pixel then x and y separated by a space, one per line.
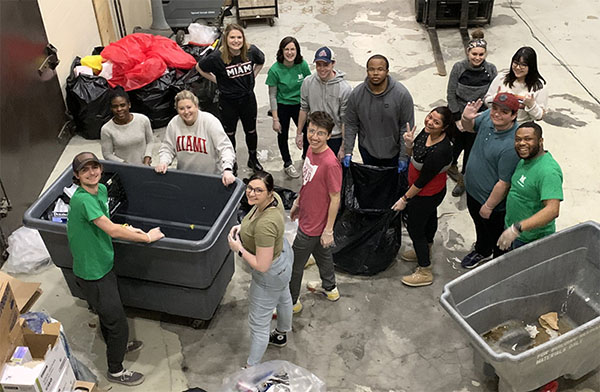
pixel 233 68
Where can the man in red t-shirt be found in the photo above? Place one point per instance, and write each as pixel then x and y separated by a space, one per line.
pixel 316 208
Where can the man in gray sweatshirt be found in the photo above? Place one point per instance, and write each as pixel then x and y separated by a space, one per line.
pixel 378 110
pixel 325 91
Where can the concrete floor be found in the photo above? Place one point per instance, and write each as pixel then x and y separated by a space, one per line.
pixel 381 335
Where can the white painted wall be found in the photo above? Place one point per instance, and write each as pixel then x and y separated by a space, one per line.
pixel 136 13
pixel 71 27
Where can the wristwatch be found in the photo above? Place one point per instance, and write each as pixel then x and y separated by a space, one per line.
pixel 518 227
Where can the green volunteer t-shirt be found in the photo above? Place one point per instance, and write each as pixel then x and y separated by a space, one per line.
pixel 534 181
pixel 264 229
pixel 91 247
pixel 288 81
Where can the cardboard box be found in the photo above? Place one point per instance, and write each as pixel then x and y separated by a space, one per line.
pixel 9 315
pixel 25 293
pixel 67 381
pixel 45 372
pixel 84 386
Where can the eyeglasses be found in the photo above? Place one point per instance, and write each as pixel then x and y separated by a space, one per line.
pixel 519 65
pixel 257 191
pixel 319 133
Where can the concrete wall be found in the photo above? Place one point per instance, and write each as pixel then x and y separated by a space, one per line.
pixel 71 27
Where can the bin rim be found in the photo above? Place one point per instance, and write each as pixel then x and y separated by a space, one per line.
pixel 30 221
pixel 478 342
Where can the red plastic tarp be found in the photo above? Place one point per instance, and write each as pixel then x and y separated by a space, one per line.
pixel 139 59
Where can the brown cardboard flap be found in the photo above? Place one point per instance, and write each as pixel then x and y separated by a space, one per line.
pixel 38 343
pixel 26 293
pixel 9 315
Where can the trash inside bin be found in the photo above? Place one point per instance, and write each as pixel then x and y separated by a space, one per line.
pixel 184 274
pixel 559 273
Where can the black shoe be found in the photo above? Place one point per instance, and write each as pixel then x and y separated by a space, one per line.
pixel 253 163
pixel 127 377
pixel 134 345
pixel 277 338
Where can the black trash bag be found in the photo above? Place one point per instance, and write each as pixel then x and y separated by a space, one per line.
pixel 204 89
pixel 367 232
pixel 88 101
pixel 287 197
pixel 156 100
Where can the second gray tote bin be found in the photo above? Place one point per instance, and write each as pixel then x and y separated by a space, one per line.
pixel 559 273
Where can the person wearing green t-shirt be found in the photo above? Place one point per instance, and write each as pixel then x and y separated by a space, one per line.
pixel 90 232
pixel 533 202
pixel 285 79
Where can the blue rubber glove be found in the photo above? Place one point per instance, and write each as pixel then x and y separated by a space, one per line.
pixel 346 160
pixel 402 165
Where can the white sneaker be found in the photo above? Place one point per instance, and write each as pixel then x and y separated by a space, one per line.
pixel 315 287
pixel 291 171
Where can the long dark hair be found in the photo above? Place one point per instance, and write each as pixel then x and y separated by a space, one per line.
pixel 533 80
pixel 285 42
pixel 447 120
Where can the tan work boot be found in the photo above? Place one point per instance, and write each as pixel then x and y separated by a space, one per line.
pixel 411 256
pixel 421 277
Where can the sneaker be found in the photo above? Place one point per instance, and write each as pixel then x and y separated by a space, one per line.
pixel 291 171
pixel 315 287
pixel 309 262
pixel 459 189
pixel 297 308
pixel 134 345
pixel 278 339
pixel 421 277
pixel 411 256
pixel 126 377
pixel 473 259
pixel 453 172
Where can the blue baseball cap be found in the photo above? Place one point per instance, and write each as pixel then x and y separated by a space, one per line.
pixel 324 54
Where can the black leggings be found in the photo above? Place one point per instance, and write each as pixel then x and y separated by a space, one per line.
pixel 422 223
pixel 487 230
pixel 462 141
pixel 244 109
pixel 286 113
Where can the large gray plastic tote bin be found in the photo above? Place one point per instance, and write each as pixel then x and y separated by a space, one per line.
pixel 558 273
pixel 186 273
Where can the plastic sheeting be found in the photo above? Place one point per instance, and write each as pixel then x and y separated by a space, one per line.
pixel 139 59
pixel 367 232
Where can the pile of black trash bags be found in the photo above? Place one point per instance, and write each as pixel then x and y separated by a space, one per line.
pixel 88 98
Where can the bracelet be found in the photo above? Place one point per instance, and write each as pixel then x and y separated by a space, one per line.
pixel 328 232
pixel 406 199
pixel 149 239
pixel 488 207
pixel 276 119
pixel 518 227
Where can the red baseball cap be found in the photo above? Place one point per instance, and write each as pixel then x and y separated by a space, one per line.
pixel 507 101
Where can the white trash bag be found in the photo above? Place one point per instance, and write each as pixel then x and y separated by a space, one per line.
pixel 201 34
pixel 273 376
pixel 27 252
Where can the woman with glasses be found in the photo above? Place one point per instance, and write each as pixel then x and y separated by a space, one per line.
pixel 259 242
pixel 525 82
pixel 469 81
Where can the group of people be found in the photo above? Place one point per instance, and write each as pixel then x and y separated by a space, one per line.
pixel 513 186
